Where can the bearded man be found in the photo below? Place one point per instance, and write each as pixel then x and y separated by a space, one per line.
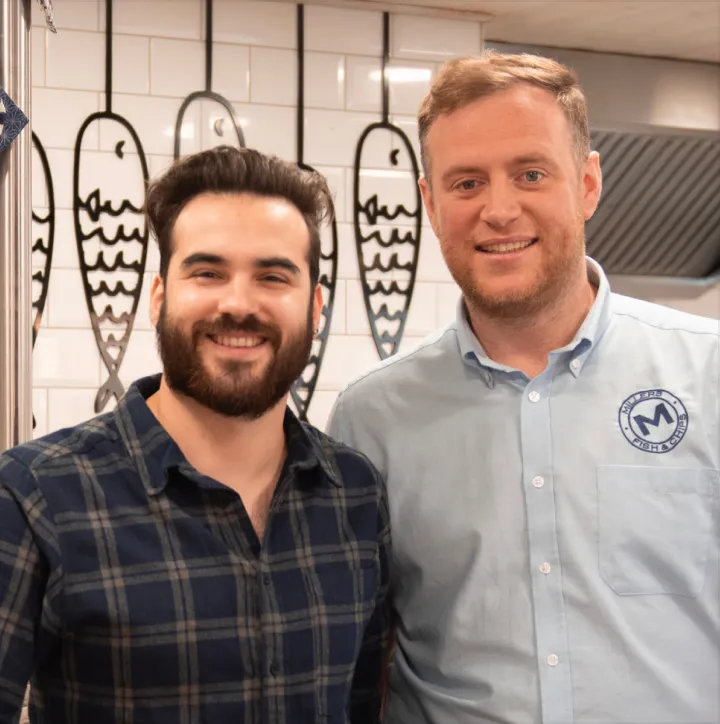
pixel 198 554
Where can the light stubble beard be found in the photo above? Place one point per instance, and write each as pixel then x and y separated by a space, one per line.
pixel 554 285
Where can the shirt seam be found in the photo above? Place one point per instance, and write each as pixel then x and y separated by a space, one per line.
pixel 666 329
pixel 391 362
pixel 45 452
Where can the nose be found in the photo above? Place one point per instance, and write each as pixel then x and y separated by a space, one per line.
pixel 238 299
pixel 502 206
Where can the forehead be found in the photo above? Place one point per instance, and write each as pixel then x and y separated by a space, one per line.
pixel 522 119
pixel 240 226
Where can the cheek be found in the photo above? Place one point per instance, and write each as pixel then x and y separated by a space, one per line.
pixel 289 310
pixel 190 304
pixel 457 218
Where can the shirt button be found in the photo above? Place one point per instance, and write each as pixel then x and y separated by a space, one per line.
pixel 538 481
pixel 575 364
pixel 545 568
pixel 534 396
pixel 553 660
pixel 266 580
pixel 274 669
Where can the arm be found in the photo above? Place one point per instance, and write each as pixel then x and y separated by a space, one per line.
pixel 23 578
pixel 370 679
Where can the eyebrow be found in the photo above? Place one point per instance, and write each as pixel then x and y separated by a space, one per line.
pixel 531 159
pixel 277 262
pixel 460 171
pixel 204 258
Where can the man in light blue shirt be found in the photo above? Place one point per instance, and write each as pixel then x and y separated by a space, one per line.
pixel 551 455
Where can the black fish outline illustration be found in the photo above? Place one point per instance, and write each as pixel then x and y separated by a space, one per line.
pixel 387 298
pixel 304 388
pixel 43 240
pixel 43 234
pixel 209 95
pixel 112 320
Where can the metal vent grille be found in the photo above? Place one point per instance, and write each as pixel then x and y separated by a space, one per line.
pixel 659 214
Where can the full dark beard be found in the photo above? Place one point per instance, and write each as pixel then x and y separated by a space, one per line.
pixel 236 391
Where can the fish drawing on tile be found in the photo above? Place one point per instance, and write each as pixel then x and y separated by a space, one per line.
pixel 387 217
pixel 110 228
pixel 304 388
pixel 43 234
pixel 216 110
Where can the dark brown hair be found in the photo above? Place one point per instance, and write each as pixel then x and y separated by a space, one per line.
pixel 229 170
pixel 464 80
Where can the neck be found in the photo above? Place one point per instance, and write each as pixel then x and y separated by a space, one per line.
pixel 525 343
pixel 237 452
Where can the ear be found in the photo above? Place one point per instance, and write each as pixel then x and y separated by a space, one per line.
pixel 157 297
pixel 318 303
pixel 426 191
pixel 591 184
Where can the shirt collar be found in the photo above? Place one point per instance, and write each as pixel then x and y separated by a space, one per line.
pixel 585 340
pixel 154 453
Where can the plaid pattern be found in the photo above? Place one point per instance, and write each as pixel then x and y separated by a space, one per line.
pixel 134 590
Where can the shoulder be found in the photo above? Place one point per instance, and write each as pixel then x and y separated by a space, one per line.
pixel 350 465
pixel 346 457
pixel 662 320
pixel 436 350
pixel 52 454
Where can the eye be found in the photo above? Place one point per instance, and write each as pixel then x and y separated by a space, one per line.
pixel 466 185
pixel 206 274
pixel 533 176
pixel 274 279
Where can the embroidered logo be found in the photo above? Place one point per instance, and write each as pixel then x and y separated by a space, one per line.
pixel 653 420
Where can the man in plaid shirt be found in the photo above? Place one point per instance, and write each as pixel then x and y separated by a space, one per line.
pixel 198 554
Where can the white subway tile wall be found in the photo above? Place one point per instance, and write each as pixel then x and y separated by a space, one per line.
pixel 75 60
pixel 231 71
pixel 273 76
pixel 177 67
pixel 324 80
pixel 59 128
pixel 38 42
pixel 131 54
pixel 158 58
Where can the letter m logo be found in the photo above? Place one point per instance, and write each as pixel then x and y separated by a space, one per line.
pixel 660 412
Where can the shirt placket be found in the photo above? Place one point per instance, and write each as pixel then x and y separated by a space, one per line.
pixel 270 617
pixel 546 573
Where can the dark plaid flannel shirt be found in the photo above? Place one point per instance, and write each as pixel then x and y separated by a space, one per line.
pixel 133 589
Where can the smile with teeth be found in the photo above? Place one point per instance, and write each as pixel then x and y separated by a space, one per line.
pixel 507 247
pixel 237 341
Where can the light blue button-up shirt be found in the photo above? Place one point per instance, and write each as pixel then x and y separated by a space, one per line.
pixel 556 539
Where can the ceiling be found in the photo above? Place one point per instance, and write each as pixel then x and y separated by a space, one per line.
pixel 687 29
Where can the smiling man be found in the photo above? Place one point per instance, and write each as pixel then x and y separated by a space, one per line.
pixel 198 554
pixel 551 455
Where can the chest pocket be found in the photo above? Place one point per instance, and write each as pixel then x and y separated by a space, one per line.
pixel 655 528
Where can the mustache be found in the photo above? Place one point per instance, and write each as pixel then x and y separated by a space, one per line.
pixel 227 324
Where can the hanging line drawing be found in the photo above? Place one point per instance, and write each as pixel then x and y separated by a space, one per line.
pixel 110 228
pixel 219 105
pixel 387 240
pixel 43 234
pixel 304 388
pixel 44 239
